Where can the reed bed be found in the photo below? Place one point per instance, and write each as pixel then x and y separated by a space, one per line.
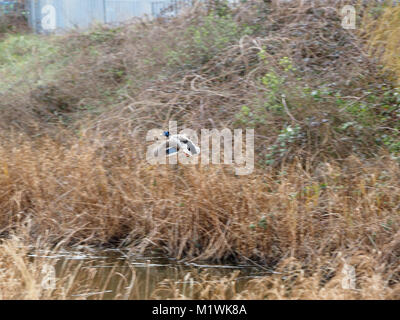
pixel 66 197
pixel 75 110
pixel 26 275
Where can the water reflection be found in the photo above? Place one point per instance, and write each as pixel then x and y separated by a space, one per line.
pixel 114 274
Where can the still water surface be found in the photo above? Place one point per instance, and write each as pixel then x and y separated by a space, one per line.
pixel 114 274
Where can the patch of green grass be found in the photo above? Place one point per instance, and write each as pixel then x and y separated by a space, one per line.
pixel 28 57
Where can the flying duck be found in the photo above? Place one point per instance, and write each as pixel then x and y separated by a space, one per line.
pixel 176 143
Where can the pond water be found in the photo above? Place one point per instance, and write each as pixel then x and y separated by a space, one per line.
pixel 114 274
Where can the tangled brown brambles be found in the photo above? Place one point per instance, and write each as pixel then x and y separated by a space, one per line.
pixel 326 189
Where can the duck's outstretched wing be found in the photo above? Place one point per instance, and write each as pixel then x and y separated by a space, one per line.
pixel 176 143
pixel 192 147
pixel 167 147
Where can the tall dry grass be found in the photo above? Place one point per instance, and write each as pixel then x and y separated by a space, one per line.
pixel 74 194
pixel 31 274
pixel 289 281
pixel 26 275
pixel 71 170
pixel 382 29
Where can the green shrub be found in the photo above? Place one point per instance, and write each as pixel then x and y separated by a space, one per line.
pixel 213 34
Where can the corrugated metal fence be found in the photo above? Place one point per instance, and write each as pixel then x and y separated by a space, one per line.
pixel 57 15
pixel 47 16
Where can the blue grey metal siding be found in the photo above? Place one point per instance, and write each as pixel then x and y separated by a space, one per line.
pixel 120 11
pixel 81 14
pixel 70 14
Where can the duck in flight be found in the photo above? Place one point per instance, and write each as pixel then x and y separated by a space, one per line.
pixel 177 143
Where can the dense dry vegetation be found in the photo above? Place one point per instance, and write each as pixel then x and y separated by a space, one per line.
pixel 325 108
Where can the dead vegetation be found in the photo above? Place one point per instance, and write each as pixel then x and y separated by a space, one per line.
pixel 324 192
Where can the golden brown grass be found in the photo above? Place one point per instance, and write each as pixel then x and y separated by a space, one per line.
pixel 85 181
pixel 383 35
pixel 289 281
pixel 31 279
pixel 26 276
pixel 72 194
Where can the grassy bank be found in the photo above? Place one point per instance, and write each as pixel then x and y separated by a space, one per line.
pixel 75 109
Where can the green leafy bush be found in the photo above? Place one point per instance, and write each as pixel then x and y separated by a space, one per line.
pixel 203 41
